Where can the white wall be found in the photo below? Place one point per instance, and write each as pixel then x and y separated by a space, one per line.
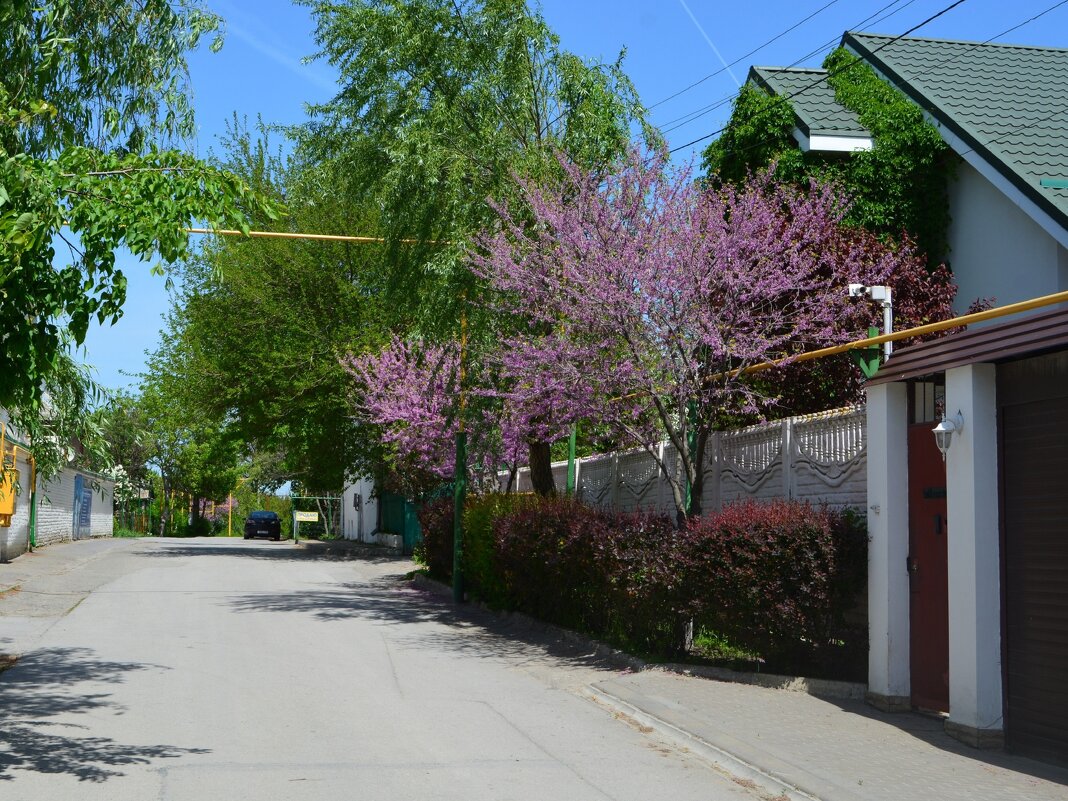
pixel 975 674
pixel 888 532
pixel 357 525
pixel 996 250
pixel 14 540
pixel 55 510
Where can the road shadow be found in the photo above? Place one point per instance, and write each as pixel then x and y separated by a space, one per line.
pixel 467 630
pixel 38 696
pixel 237 548
pixel 930 729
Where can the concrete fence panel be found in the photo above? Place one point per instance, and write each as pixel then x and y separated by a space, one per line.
pixel 820 458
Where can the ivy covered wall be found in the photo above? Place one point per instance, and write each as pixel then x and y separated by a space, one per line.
pixel 899 185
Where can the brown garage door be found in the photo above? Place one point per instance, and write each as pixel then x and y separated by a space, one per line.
pixel 1035 509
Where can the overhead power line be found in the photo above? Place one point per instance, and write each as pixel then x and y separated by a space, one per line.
pixel 841 69
pixel 943 62
pixel 738 60
pixel 691 116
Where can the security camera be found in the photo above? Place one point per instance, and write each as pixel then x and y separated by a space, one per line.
pixel 858 290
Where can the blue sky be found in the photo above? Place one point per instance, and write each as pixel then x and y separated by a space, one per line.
pixel 670 45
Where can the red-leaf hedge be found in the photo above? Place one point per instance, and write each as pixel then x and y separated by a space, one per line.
pixel 776 578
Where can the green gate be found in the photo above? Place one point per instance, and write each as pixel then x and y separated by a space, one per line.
pixel 400 516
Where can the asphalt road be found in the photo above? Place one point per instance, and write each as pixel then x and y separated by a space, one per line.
pixel 223 669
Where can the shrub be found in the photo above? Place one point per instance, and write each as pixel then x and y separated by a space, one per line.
pixel 773 579
pixel 435 550
pixel 481 577
pixel 607 573
pixel 779 577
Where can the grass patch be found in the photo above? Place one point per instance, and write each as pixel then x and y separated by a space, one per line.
pixel 129 533
pixel 713 645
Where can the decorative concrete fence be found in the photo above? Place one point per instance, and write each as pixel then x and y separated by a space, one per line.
pixel 819 457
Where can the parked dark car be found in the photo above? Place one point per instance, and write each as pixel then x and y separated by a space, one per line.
pixel 263 524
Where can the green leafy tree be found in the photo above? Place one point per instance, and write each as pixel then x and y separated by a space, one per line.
pixel 196 459
pixel 900 185
pixel 443 105
pixel 93 100
pixel 260 326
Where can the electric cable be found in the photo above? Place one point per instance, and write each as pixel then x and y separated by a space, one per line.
pixel 838 71
pixel 757 49
pixel 691 116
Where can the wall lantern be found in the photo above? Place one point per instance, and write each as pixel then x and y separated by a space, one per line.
pixel 943 432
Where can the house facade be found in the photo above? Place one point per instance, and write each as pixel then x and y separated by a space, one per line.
pixel 74 504
pixel 968 561
pixel 1003 110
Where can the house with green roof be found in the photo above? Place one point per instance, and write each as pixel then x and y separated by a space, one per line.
pixel 968 549
pixel 1003 110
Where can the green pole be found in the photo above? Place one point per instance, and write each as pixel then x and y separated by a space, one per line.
pixel 691 445
pixel 33 518
pixel 571 440
pixel 32 532
pixel 459 492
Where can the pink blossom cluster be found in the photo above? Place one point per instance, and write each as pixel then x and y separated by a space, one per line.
pixel 411 391
pixel 631 298
pixel 646 282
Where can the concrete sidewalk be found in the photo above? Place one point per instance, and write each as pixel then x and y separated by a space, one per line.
pixel 803 747
pixel 54 560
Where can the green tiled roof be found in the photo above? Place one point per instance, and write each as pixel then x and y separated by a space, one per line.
pixel 1008 103
pixel 816 110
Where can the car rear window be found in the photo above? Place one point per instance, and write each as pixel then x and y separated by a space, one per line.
pixel 263 516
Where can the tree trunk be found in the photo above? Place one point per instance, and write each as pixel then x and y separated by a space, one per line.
pixel 164 508
pixel 541 469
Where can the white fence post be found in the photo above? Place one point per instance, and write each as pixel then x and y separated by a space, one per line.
pixel 613 494
pixel 715 474
pixel 787 454
pixel 661 478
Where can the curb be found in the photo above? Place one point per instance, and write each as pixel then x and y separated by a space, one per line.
pixel 747 772
pixel 600 649
pixel 823 688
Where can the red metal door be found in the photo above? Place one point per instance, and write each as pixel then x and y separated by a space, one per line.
pixel 928 572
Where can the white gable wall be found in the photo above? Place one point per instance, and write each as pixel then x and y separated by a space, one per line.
pixel 359 524
pixel 996 250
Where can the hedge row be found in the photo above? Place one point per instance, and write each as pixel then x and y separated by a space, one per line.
pixel 777 579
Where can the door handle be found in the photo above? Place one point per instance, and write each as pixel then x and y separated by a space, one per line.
pixel 938 521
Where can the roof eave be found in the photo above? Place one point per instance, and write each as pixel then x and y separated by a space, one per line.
pixel 1026 188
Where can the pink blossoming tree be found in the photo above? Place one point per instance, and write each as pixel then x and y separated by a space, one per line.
pixel 642 292
pixel 411 392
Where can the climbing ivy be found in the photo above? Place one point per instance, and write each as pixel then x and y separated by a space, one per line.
pixel 899 185
pixel 759 132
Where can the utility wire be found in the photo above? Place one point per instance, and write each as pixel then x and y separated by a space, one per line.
pixel 742 58
pixel 838 71
pixel 686 119
pixel 950 60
